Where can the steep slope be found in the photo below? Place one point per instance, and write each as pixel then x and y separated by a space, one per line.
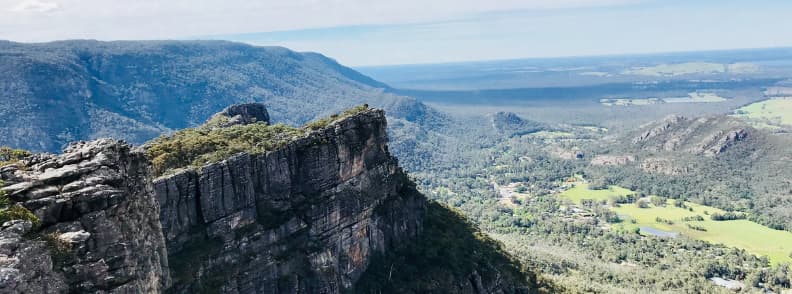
pixel 54 93
pixel 306 215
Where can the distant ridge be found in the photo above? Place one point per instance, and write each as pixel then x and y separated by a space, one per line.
pixel 53 93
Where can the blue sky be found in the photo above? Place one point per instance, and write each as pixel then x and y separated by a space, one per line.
pixel 378 32
pixel 648 27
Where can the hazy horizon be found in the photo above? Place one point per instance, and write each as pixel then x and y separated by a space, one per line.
pixel 365 33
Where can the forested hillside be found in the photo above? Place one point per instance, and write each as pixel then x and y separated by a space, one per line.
pixel 54 93
pixel 567 178
pixel 714 160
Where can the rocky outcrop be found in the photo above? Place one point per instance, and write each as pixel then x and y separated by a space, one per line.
pixel 659 128
pixel 26 265
pixel 666 166
pixel 612 159
pixel 305 218
pixel 240 114
pixel 708 136
pixel 99 223
pixel 717 143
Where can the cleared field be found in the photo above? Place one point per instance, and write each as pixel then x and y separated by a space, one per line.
pixel 630 102
pixel 771 112
pixel 696 97
pixel 743 234
pixel 677 69
pixel 550 135
pixel 581 191
pixel 693 97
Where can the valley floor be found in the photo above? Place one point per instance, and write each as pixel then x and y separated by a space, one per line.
pixel 686 218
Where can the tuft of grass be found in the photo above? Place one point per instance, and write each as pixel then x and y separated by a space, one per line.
pixel 325 122
pixel 18 212
pixel 12 156
pixel 14 211
pixel 217 121
pixel 60 250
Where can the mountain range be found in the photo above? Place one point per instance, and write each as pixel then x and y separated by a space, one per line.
pixel 54 93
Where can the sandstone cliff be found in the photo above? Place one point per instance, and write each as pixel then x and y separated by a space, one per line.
pixel 306 217
pixel 99 227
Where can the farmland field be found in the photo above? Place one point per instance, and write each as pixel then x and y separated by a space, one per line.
pixel 581 191
pixel 688 68
pixel 743 234
pixel 776 111
pixel 693 97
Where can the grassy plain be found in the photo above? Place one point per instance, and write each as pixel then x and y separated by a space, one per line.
pixel 687 68
pixel 743 234
pixel 581 191
pixel 776 111
pixel 693 97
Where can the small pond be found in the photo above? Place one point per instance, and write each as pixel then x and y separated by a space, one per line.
pixel 658 233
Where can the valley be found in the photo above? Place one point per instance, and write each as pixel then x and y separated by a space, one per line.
pixel 542 155
pixel 559 197
pixel 396 147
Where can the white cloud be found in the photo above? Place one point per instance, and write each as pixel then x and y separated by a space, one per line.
pixel 34 6
pixel 157 19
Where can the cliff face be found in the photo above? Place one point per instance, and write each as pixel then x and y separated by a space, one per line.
pixel 315 215
pixel 99 227
pixel 305 218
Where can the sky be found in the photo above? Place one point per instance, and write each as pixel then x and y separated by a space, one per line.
pixel 376 32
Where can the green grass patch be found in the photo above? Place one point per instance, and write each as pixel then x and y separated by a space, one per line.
pixel 14 211
pixel 12 156
pixel 581 191
pixel 693 97
pixel 768 113
pixel 687 220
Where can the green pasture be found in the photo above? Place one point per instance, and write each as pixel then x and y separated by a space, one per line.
pixel 744 234
pixel 770 112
